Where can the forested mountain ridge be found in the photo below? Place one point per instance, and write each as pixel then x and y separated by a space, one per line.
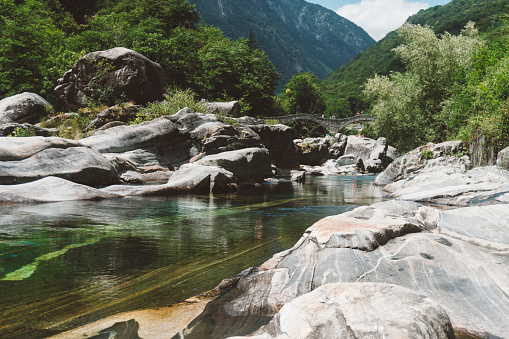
pixel 296 35
pixel 344 85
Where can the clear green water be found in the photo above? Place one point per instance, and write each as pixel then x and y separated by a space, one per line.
pixel 66 264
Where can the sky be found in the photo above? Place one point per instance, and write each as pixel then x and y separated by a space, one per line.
pixel 378 17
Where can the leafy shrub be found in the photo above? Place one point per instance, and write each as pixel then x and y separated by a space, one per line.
pixel 175 100
pixel 427 154
pixel 22 132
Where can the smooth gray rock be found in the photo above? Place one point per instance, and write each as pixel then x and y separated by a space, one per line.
pixel 81 165
pixel 50 189
pixel 278 139
pixel 230 109
pixel 376 155
pixel 486 226
pixel 190 178
pixel 15 149
pixel 452 186
pixel 313 151
pixel 359 310
pixel 138 78
pixel 503 159
pixel 24 107
pixel 244 163
pixel 347 159
pixel 413 162
pixel 158 132
pixel 359 146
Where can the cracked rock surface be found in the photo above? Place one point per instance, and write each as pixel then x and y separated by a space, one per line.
pixel 457 258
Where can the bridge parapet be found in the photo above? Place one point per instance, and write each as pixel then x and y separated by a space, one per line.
pixel 332 125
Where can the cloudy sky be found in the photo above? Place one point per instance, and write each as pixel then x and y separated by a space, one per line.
pixel 378 17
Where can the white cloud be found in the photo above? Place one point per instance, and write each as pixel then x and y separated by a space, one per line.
pixel 379 17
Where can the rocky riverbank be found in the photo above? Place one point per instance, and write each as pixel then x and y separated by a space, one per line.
pixel 187 152
pixel 399 268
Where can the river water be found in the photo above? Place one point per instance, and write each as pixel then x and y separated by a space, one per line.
pixel 66 264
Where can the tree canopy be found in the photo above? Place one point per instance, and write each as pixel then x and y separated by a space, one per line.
pixel 40 40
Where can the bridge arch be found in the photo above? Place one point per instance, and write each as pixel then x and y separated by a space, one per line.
pixel 332 125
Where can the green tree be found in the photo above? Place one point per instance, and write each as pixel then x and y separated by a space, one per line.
pixel 233 70
pixel 303 94
pixel 29 40
pixel 409 106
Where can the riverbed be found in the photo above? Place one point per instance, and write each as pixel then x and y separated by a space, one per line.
pixel 66 264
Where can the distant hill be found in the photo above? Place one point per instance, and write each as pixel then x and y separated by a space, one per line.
pixel 296 35
pixel 346 82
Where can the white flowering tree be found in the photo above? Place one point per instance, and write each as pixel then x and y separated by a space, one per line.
pixel 409 106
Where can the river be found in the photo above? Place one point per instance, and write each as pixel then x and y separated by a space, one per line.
pixel 70 263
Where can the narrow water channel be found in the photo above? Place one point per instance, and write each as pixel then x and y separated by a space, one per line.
pixel 66 264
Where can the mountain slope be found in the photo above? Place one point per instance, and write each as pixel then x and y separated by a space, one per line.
pixel 346 82
pixel 296 35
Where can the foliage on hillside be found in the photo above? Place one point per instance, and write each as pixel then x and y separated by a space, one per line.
pixel 344 85
pixel 454 87
pixel 297 35
pixel 40 40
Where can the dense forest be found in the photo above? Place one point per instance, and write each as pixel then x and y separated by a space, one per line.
pixel 41 39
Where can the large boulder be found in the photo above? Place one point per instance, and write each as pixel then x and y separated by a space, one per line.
pixel 359 310
pixel 429 157
pixel 451 186
pixel 313 151
pixel 376 155
pixel 28 159
pixel 190 178
pixel 230 109
pixel 278 139
pixel 123 70
pixel 158 132
pixel 24 107
pixel 245 163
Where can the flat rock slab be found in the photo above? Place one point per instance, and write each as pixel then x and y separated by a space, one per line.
pixel 359 310
pixel 12 149
pixel 157 132
pixel 486 226
pixel 50 189
pixel 450 186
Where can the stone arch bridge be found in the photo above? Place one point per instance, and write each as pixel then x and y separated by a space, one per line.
pixel 332 125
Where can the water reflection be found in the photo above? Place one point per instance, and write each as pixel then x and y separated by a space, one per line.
pixel 65 264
